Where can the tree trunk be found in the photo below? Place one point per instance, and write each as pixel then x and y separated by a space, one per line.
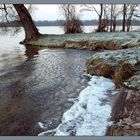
pixel 124 15
pixel 114 24
pixel 31 31
pixel 128 24
pixel 100 19
pixel 111 18
pixel 129 20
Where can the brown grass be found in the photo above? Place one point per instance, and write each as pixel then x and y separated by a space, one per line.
pixel 123 72
pixel 100 68
pixel 118 73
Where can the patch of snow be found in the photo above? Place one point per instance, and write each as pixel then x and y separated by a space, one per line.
pixel 46 133
pixel 73 100
pixel 46 125
pixel 90 115
pixel 42 125
pixel 87 75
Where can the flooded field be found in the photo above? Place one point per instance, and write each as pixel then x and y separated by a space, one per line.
pixel 36 84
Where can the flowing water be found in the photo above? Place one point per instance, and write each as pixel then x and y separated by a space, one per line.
pixel 36 85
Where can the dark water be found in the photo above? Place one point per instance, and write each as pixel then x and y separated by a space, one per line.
pixel 35 85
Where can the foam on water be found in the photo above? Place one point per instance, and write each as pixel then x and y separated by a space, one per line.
pixel 90 114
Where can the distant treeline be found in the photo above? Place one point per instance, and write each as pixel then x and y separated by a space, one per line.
pixel 135 22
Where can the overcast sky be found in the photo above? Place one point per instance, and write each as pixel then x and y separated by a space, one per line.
pixel 51 12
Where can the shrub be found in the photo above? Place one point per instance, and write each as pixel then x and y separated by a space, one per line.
pixel 73 26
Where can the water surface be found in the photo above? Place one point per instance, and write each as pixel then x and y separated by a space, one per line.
pixel 36 84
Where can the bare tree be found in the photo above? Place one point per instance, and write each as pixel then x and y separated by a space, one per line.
pixel 129 15
pixel 137 12
pixel 72 23
pixel 106 17
pixel 124 17
pixel 101 21
pixel 113 11
pixel 7 15
pixel 111 17
pixel 100 27
pixel 31 31
pixel 21 14
pixel 67 10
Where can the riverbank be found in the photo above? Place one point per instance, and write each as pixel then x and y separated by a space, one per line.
pixel 92 41
pixel 127 123
pixel 84 118
pixel 123 66
pixel 119 61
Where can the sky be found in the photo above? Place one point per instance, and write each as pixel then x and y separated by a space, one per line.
pixel 52 12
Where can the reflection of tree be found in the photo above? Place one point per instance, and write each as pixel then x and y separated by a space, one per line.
pixel 31 51
pixel 17 107
pixel 13 31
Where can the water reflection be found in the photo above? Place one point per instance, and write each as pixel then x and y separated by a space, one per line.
pixel 12 31
pixel 19 112
pixel 31 51
pixel 36 85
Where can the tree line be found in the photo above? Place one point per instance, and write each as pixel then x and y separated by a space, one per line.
pixel 135 22
pixel 110 14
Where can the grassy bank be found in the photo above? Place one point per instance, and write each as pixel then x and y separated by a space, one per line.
pixel 93 41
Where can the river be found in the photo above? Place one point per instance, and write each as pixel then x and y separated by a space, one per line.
pixel 86 29
pixel 36 84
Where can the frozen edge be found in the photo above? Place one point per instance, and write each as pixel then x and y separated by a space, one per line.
pixel 90 115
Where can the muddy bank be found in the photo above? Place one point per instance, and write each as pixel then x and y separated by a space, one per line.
pixel 127 124
pixel 125 104
pixel 93 41
pixel 117 103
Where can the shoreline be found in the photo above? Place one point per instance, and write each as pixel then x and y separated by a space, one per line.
pixel 110 42
pixel 78 120
pixel 117 103
pixel 89 41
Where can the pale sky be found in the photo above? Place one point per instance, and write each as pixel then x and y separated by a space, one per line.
pixel 51 12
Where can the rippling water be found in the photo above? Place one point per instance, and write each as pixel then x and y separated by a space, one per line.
pixel 35 85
